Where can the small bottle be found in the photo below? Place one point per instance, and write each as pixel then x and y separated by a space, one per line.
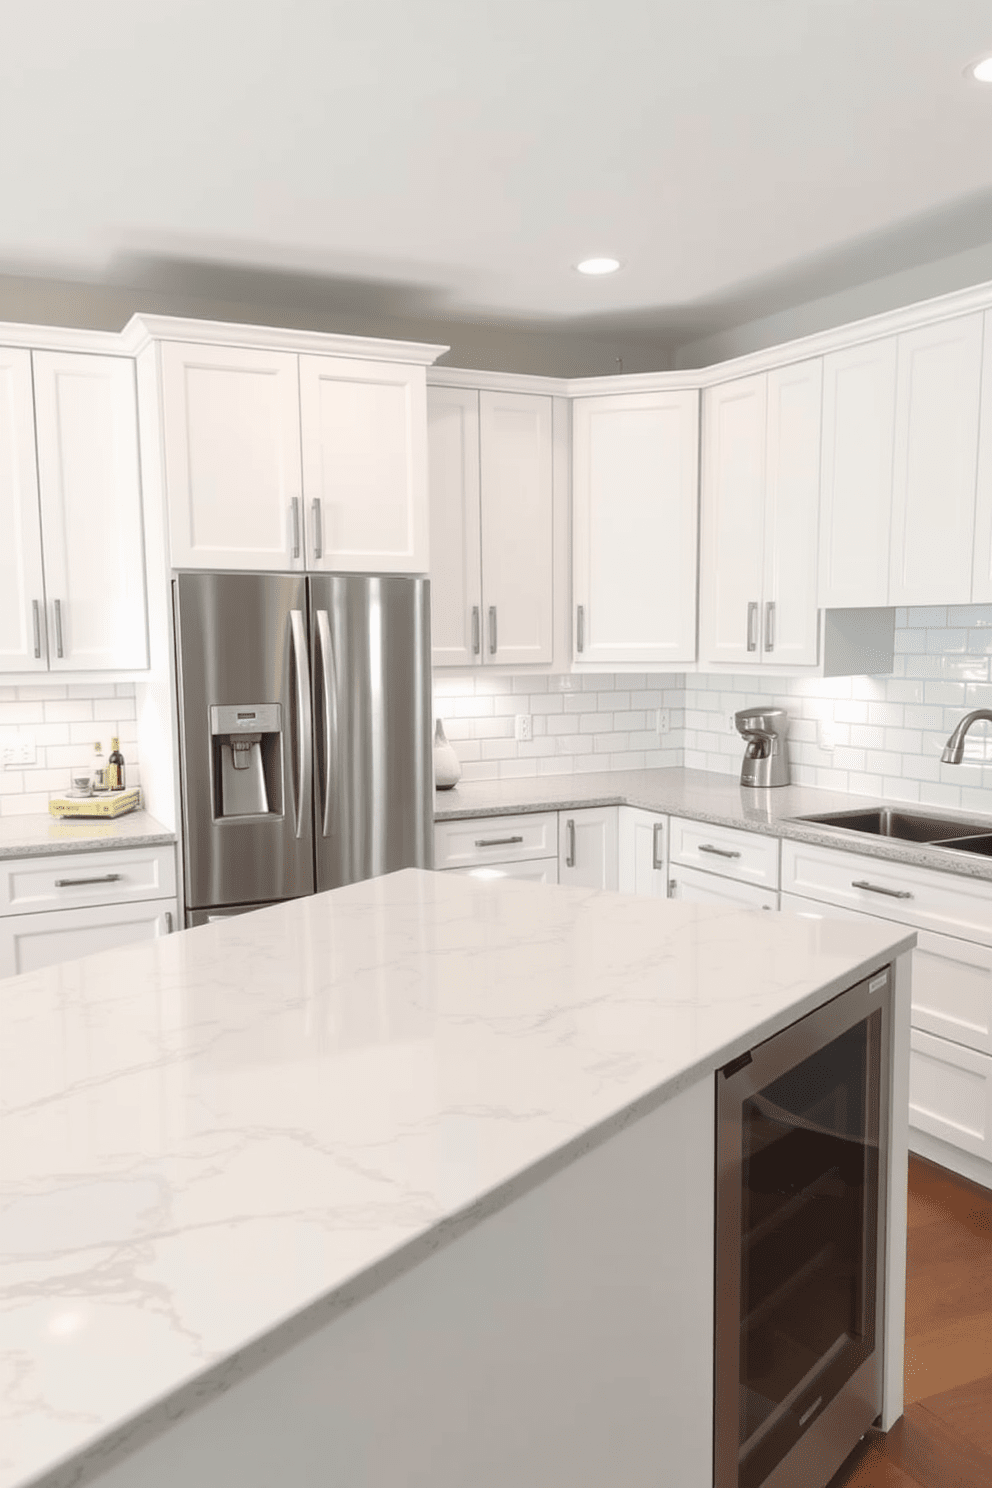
pixel 99 768
pixel 115 766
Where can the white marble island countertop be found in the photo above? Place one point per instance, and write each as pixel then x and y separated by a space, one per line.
pixel 214 1142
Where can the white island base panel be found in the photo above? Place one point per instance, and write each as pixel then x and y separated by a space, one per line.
pixel 564 1342
pixel 407 1183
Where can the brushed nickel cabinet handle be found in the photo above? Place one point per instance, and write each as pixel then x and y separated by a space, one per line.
pixel 580 628
pixel 656 847
pixel 36 617
pixel 476 631
pixel 719 852
pixel 294 507
pixel 497 841
pixel 862 883
pixel 673 885
pixel 492 630
pixel 318 528
pixel 59 649
pixel 770 625
pixel 75 883
pixel 570 854
pixel 752 625
pixel 168 922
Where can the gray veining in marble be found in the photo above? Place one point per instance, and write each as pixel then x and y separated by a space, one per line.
pixel 41 835
pixel 213 1142
pixel 708 797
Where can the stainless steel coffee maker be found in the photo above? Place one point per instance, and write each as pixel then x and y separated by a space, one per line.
pixel 765 760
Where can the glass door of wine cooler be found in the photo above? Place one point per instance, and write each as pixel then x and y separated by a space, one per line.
pixel 801 1145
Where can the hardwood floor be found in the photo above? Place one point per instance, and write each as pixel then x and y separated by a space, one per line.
pixel 944 1439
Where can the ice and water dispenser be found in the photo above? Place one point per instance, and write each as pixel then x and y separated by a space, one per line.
pixel 246 750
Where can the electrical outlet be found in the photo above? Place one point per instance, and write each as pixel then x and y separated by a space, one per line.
pixel 731 724
pixel 17 749
pixel 664 720
pixel 826 734
pixel 523 728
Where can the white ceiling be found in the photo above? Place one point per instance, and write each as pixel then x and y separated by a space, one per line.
pixel 457 157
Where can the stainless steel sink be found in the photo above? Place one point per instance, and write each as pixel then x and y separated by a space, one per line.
pixel 911 826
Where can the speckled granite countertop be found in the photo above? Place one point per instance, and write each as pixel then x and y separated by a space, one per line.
pixel 712 798
pixel 41 835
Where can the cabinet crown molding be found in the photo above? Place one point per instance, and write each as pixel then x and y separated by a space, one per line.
pixel 141 330
pixel 61 338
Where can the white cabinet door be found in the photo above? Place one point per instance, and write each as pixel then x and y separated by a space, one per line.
pixel 22 589
pixel 790 620
pixel 364 465
pixel 935 463
pixel 950 1093
pixel 732 519
pixel 517 528
pixel 695 887
pixel 981 581
pixel 88 473
pixel 859 414
pixel 643 853
pixel 455 535
pixel 634 506
pixel 232 457
pixel 588 847
pixel 30 942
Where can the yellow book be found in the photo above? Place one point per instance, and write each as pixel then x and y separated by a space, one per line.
pixel 113 803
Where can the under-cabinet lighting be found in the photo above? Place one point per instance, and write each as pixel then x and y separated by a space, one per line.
pixel 982 71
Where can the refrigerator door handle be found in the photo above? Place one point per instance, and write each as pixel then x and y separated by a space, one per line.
pixel 328 702
pixel 301 668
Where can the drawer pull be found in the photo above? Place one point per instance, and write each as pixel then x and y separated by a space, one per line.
pixel 862 883
pixel 657 848
pixel 75 883
pixel 497 841
pixel 720 852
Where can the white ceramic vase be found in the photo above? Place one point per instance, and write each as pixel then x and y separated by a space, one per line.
pixel 447 769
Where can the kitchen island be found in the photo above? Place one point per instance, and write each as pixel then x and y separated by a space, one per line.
pixel 409 1183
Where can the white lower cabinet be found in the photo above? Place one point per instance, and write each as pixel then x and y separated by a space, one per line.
pixel 642 853
pixel 56 908
pixel 588 841
pixel 535 870
pixel 30 942
pixel 695 887
pixel 950 1095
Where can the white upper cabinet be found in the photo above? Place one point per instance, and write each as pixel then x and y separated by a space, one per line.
pixel 792 504
pixel 491 521
pixel 363 428
pixel 515 436
pixel 760 509
pixel 634 522
pixel 455 537
pixel 982 572
pixel 89 481
pixel 859 415
pixel 733 505
pixel 935 463
pixel 232 457
pixel 22 587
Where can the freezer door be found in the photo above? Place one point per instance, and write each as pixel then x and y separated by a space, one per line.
pixel 241 642
pixel 373 781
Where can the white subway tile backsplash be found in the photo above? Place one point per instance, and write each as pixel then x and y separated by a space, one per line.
pixel 63 720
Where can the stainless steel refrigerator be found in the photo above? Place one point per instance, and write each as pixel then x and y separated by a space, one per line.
pixel 305 733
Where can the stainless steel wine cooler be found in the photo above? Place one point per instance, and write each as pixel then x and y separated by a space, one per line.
pixel 802 1144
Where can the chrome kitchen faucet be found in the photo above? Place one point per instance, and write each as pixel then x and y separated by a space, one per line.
pixel 953 751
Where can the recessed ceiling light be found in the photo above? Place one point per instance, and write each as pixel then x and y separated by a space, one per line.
pixel 981 71
pixel 598 266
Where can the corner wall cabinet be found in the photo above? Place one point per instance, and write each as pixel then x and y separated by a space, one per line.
pixel 635 476
pixel 491 523
pixel 72 570
pixel 759 519
pixel 275 460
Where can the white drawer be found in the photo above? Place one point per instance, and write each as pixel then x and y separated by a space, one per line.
pixel 913 896
pixel 495 839
pixel 32 941
pixel 950 1093
pixel 116 876
pixel 952 979
pixel 745 856
pixel 695 887
pixel 528 870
